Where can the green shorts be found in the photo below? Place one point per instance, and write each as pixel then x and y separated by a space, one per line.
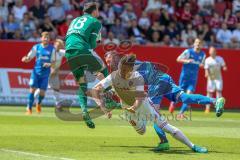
pixel 80 61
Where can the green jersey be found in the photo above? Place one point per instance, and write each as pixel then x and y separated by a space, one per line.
pixel 83 32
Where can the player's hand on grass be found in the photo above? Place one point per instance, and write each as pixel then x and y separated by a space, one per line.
pixel 46 65
pixel 109 114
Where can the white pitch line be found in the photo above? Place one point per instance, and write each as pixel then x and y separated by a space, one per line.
pixel 34 154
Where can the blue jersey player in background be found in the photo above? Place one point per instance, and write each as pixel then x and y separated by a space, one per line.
pixel 192 59
pixel 45 55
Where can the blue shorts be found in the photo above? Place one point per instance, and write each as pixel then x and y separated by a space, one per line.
pixel 163 87
pixel 187 85
pixel 37 81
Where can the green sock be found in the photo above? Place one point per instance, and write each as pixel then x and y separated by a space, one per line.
pixel 105 72
pixel 82 96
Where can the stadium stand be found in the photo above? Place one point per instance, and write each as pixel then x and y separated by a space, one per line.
pixel 145 22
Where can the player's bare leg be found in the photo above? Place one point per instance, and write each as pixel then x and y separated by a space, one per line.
pixel 171 107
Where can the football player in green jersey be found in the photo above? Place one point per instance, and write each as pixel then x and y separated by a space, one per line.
pixel 82 36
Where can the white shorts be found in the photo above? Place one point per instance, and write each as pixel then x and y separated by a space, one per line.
pixel 54 81
pixel 145 113
pixel 214 85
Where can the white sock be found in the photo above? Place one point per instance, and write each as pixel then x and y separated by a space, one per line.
pixel 178 134
pixel 56 95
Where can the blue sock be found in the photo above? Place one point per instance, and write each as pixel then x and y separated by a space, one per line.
pixel 183 108
pixel 161 134
pixel 30 100
pixel 40 98
pixel 196 99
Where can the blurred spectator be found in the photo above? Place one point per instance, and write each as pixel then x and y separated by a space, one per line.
pixel 11 26
pixel 236 6
pixel 172 30
pixel 229 19
pixel 19 9
pixel 206 7
pixel 2 31
pixel 188 43
pixel 194 6
pixel 236 33
pixel 135 31
pixel 215 22
pixel 62 29
pixel 197 20
pixel 3 10
pixel 168 7
pixel 188 32
pixel 207 34
pixel 47 25
pixel 185 15
pixel 117 6
pixel 38 10
pixel 118 30
pixel 66 5
pixel 56 12
pixel 166 42
pixel 35 37
pixel 153 5
pixel 155 38
pixel 108 15
pixel 224 36
pixel 144 21
pixel 18 35
pixel 128 15
pixel 155 27
pixel 111 39
pixel 164 18
pixel 27 26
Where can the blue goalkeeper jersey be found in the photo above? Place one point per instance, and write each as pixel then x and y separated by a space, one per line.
pixel 190 70
pixel 43 55
pixel 150 71
pixel 159 83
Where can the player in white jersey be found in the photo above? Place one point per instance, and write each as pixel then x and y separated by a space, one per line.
pixel 54 81
pixel 213 66
pixel 129 86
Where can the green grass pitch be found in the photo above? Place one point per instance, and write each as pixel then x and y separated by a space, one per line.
pixel 46 137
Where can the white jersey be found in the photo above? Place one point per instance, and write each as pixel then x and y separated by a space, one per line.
pixel 214 66
pixel 125 88
pixel 58 58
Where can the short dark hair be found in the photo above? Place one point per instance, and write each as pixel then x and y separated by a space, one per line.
pixel 89 7
pixel 128 60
